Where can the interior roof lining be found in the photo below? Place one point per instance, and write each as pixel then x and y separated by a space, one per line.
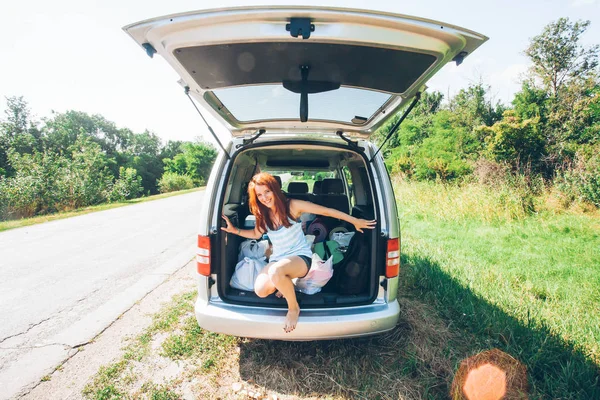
pixel 227 65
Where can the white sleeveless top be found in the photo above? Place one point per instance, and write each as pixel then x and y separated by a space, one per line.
pixel 288 242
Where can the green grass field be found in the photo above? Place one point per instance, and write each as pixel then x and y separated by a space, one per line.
pixel 528 285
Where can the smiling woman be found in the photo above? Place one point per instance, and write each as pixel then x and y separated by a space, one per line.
pixel 291 258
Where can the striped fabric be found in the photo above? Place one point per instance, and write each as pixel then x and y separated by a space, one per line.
pixel 288 242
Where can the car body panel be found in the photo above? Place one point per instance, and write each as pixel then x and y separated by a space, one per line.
pixel 267 323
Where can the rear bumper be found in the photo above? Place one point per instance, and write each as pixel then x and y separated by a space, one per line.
pixel 321 324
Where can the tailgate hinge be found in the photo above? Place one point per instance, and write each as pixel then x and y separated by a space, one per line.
pixel 250 140
pixel 351 143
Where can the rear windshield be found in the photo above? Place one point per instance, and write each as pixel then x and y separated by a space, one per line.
pixel 267 102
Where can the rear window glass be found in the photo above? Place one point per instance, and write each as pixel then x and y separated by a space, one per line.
pixel 267 102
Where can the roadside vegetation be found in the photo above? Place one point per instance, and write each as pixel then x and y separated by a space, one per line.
pixel 527 285
pixel 74 160
pixel 172 350
pixel 546 141
pixel 19 223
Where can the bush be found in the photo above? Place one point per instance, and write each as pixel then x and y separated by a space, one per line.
pixel 128 186
pixel 491 173
pixel 581 180
pixel 18 197
pixel 433 160
pixel 195 161
pixel 47 182
pixel 519 143
pixel 172 182
pixel 433 151
pixel 34 188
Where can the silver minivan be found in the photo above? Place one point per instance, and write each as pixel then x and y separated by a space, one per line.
pixel 301 89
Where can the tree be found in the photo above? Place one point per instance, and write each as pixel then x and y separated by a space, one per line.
pixel 514 141
pixel 143 153
pixel 558 56
pixel 416 126
pixel 472 107
pixel 195 161
pixel 17 132
pixel 64 129
pixel 171 149
pixel 568 73
pixel 531 102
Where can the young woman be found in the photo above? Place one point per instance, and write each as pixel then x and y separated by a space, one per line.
pixel 279 216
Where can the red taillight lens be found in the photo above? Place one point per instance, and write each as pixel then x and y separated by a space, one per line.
pixel 392 260
pixel 203 255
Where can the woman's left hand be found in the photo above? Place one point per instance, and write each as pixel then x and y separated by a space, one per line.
pixel 361 224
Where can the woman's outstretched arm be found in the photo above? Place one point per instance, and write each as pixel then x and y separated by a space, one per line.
pixel 298 207
pixel 247 233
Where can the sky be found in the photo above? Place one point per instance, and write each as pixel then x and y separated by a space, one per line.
pixel 73 54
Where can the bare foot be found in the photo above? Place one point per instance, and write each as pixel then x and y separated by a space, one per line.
pixel 291 319
pixel 280 295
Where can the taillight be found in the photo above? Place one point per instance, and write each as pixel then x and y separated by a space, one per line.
pixel 392 260
pixel 203 255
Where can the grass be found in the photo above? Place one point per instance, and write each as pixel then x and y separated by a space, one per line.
pixel 484 276
pixel 19 223
pixel 479 203
pixel 529 285
pixel 158 392
pixel 181 338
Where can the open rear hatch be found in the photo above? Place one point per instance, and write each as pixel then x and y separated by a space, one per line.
pixel 301 69
pixel 345 185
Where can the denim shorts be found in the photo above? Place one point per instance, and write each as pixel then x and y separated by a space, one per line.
pixel 308 262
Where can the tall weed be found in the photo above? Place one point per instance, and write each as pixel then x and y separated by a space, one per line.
pixel 581 180
pixel 469 200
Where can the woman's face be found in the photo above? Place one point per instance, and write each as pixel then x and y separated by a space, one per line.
pixel 265 196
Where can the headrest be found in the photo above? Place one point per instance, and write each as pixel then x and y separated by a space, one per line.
pixel 331 185
pixel 317 188
pixel 297 187
pixel 278 179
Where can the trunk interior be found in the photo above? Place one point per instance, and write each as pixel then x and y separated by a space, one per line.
pixel 348 187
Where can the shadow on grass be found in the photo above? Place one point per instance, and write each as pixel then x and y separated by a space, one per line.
pixel 441 323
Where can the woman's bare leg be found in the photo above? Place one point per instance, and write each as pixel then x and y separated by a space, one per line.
pixel 280 275
pixel 263 285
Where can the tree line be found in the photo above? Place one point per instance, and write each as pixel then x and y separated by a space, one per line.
pixel 549 136
pixel 73 160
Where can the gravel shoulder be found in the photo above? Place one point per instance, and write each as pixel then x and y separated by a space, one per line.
pixel 69 379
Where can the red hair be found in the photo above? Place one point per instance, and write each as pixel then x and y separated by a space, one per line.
pixel 260 211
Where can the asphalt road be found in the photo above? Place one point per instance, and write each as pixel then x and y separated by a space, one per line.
pixel 64 282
